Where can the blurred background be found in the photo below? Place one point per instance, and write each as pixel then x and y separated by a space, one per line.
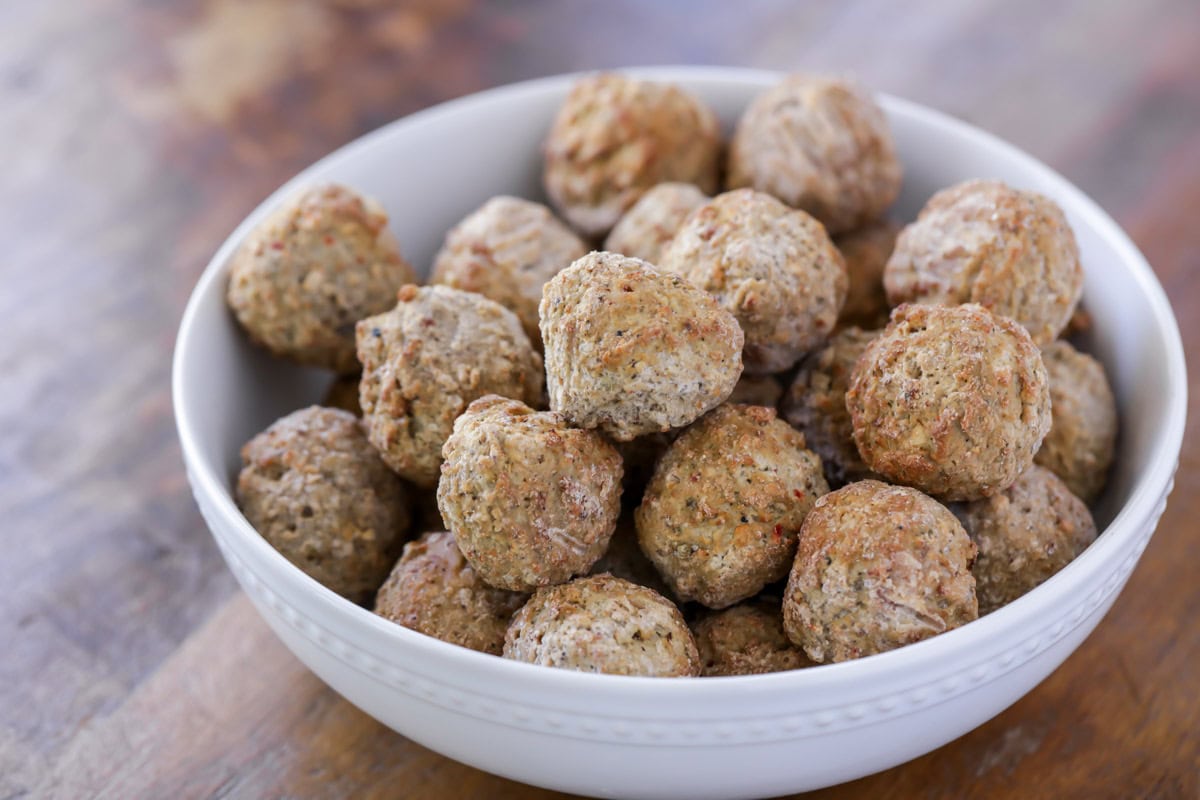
pixel 136 134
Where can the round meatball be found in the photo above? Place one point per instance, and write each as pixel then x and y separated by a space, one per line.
pixel 315 489
pixel 983 242
pixel 757 390
pixel 530 500
pixel 772 267
pixel 721 514
pixel 506 250
pixel 746 639
pixel 343 394
pixel 321 262
pixel 615 137
pixel 603 624
pixel 1025 534
pixel 646 228
pixel 1083 433
pixel 624 559
pixel 866 251
pixel 878 567
pixel 816 405
pixel 433 590
pixel 950 399
pixel 632 350
pixel 426 360
pixel 820 144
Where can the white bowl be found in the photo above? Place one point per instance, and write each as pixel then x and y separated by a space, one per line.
pixel 664 738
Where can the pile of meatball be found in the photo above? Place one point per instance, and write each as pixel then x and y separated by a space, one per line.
pixel 710 412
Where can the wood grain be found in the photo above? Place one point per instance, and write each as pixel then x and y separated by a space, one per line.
pixel 136 135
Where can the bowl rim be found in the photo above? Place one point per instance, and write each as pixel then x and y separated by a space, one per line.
pixel 1150 488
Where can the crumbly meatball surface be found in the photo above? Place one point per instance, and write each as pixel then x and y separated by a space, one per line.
pixel 314 488
pixel 603 624
pixel 530 500
pixel 878 567
pixel 632 350
pixel 816 405
pixel 950 399
pixel 1083 434
pixel 866 251
pixel 984 242
pixel 343 394
pixel 312 269
pixel 506 250
pixel 1025 534
pixel 433 590
pixel 757 390
pixel 624 559
pixel 615 137
pixel 720 517
pixel 772 267
pixel 426 360
pixel 820 144
pixel 746 639
pixel 645 229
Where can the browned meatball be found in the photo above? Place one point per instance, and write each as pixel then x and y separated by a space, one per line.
pixel 757 390
pixel 1025 534
pixel 1083 433
pixel 343 394
pixel 866 251
pixel 772 267
pixel 624 559
pixel 720 516
pixel 426 360
pixel 530 500
pixel 878 567
pixel 506 250
pixel 648 227
pixel 433 590
pixel 632 350
pixel 816 405
pixel 313 486
pixel 746 639
pixel 603 624
pixel 983 242
pixel 615 137
pixel 321 262
pixel 820 144
pixel 951 400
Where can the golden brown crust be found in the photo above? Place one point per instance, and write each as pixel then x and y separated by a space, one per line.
pixel 615 137
pixel 530 500
pixel 866 251
pixel 746 639
pixel 720 517
pixel 878 567
pixel 983 242
pixel 772 267
pixel 649 226
pixel 950 399
pixel 312 269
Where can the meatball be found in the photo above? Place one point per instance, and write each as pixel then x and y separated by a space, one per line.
pixel 321 262
pixel 1025 534
pixel 343 394
pixel 1083 432
pixel 646 228
pixel 530 500
pixel 603 624
pixel 816 405
pixel 757 390
pixel 721 514
pixel 624 559
pixel 315 489
pixel 983 242
pixel 615 137
pixel 632 350
pixel 746 639
pixel 426 360
pixel 772 267
pixel 878 567
pixel 950 399
pixel 820 144
pixel 433 590
pixel 866 251
pixel 506 250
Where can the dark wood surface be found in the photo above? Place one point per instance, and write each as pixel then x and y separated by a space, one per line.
pixel 136 134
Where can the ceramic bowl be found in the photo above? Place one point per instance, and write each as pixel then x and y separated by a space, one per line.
pixel 674 738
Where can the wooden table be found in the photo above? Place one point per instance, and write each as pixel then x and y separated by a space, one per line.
pixel 136 135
